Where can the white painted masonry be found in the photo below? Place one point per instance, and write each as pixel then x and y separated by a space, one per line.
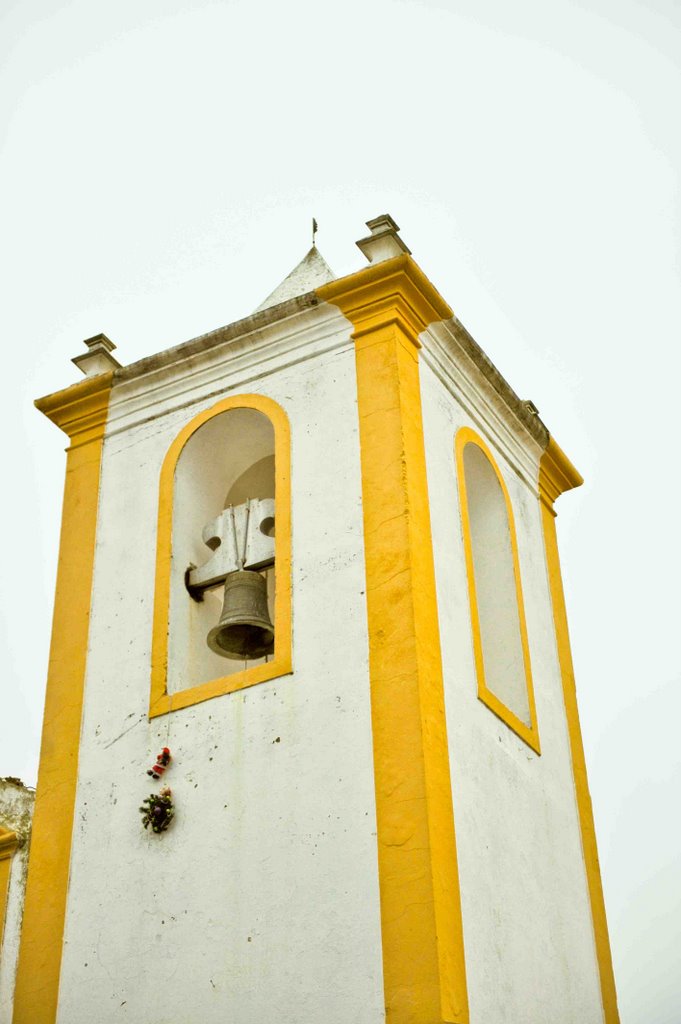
pixel 528 934
pixel 261 902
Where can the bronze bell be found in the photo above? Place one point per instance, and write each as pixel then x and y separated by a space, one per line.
pixel 245 629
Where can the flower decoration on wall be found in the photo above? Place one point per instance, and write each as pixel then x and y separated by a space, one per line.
pixel 158 811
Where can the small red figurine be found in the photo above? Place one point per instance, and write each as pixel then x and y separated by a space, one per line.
pixel 162 762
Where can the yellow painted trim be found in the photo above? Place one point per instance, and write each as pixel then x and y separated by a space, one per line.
pixel 8 844
pixel 557 475
pixel 80 411
pixel 530 734
pixel 9 841
pixel 421 925
pixel 394 291
pixel 160 701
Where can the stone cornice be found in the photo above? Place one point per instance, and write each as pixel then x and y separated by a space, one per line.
pixel 80 410
pixel 249 325
pixel 241 360
pixel 495 416
pixel 456 339
pixel 556 474
pixel 394 290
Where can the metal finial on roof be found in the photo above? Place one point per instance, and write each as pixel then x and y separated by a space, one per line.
pixel 315 229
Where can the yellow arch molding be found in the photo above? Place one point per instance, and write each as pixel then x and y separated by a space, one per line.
pixel 160 701
pixel 530 734
pixel 422 933
pixel 556 475
pixel 80 411
pixel 8 844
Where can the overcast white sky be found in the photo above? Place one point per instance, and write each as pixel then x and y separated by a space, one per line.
pixel 160 162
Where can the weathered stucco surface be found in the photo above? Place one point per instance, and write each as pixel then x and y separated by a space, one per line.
pixel 262 898
pixel 16 808
pixel 527 923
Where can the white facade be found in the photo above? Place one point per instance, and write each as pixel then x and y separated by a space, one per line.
pixel 265 898
pixel 528 935
pixel 262 899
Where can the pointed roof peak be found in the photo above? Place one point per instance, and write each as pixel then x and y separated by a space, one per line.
pixel 311 272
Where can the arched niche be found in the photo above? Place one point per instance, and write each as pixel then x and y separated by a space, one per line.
pixel 237 450
pixel 501 650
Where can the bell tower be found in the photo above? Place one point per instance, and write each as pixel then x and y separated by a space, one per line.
pixel 311 748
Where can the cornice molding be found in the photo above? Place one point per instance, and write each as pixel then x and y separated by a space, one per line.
pixel 80 410
pixel 454 338
pixel 250 325
pixel 493 416
pixel 556 474
pixel 240 360
pixel 392 291
pixel 457 359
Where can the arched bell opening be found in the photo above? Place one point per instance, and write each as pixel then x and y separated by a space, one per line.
pixel 222 602
pixel 245 629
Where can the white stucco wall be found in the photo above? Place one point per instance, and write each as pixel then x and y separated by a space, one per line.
pixel 530 953
pixel 261 901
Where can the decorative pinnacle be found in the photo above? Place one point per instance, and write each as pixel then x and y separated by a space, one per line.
pixel 384 242
pixel 98 358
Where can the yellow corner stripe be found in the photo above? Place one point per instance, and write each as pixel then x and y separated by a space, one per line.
pixel 81 411
pixel 422 931
pixel 557 474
